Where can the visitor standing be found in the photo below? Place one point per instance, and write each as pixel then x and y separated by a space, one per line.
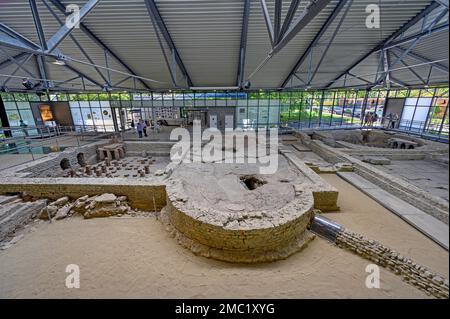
pixel 144 128
pixel 140 128
pixel 367 118
pixel 389 119
pixel 157 128
pixel 395 120
pixel 374 118
pixel 24 128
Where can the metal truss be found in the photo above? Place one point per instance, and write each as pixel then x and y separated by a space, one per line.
pixel 158 20
pixel 397 39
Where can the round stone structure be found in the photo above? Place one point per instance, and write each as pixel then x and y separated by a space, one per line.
pixel 232 213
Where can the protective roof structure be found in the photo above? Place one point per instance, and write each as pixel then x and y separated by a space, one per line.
pixel 221 44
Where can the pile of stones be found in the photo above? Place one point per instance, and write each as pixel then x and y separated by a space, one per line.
pixel 104 205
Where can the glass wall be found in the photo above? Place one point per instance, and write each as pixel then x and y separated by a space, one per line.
pixel 18 111
pixel 425 111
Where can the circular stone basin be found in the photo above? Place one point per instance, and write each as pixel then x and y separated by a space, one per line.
pixel 230 212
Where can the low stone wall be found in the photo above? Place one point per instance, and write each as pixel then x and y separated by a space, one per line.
pixel 144 195
pixel 242 237
pixel 353 142
pixel 325 195
pixel 241 245
pixel 412 273
pixel 432 205
pixel 401 155
pixel 49 166
pixel 133 148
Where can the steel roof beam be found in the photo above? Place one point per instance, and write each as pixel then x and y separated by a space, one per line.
pixel 330 42
pixel 268 22
pixel 315 41
pixel 397 81
pixel 420 35
pixel 40 60
pixel 409 69
pixel 156 16
pixel 277 19
pixel 359 78
pixel 16 44
pixel 38 24
pixel 289 17
pixel 172 71
pixel 413 21
pixel 61 7
pixel 243 45
pixel 66 29
pixel 27 44
pixel 80 47
pixel 428 29
pixel 7 62
pixel 386 67
pixel 74 70
pixel 19 67
pixel 14 34
pixel 420 58
pixel 302 21
pixel 385 44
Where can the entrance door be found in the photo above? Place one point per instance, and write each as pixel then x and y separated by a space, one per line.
pixel 213 121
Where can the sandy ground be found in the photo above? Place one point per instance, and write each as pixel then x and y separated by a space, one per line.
pixel 135 258
pixel 363 215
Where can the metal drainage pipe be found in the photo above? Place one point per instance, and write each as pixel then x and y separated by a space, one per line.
pixel 325 228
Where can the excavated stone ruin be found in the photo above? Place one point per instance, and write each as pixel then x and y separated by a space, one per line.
pixel 232 213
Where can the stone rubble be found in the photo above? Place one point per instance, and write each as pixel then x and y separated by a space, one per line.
pixel 103 205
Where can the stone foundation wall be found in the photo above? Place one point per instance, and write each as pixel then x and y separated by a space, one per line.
pixel 50 165
pixel 325 195
pixel 140 193
pixel 402 189
pixel 239 245
pixel 400 155
pixel 411 194
pixel 133 148
pixel 412 273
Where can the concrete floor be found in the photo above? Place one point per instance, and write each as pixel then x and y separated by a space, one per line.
pixel 428 175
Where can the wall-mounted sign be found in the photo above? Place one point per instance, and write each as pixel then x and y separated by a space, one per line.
pixel 46 112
